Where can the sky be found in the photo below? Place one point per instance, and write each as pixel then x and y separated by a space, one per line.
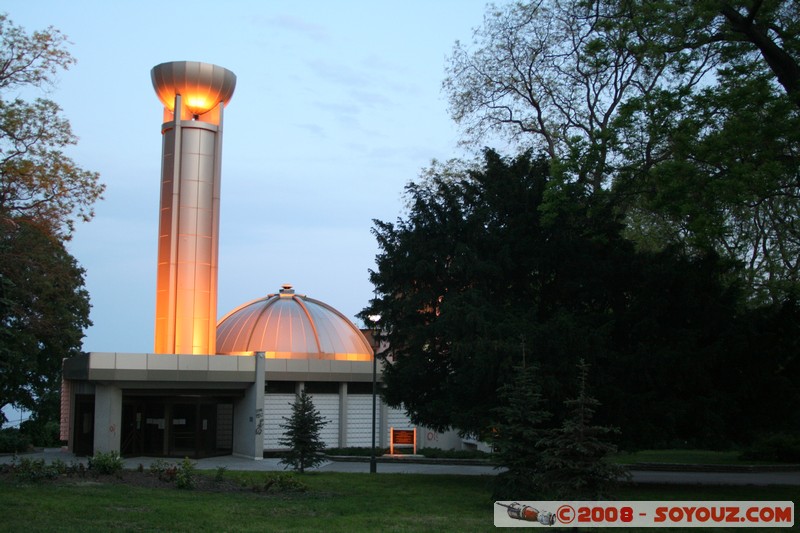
pixel 338 105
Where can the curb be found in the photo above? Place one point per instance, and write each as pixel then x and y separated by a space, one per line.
pixel 675 467
pixel 417 460
pixel 634 467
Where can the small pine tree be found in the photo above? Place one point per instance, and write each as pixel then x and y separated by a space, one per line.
pixel 301 435
pixel 516 434
pixel 575 455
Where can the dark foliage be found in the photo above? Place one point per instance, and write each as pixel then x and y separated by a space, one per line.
pixel 574 456
pixel 504 264
pixel 44 309
pixel 518 428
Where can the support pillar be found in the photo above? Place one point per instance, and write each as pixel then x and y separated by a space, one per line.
pixel 107 418
pixel 248 416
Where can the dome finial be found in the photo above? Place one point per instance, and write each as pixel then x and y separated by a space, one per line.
pixel 286 288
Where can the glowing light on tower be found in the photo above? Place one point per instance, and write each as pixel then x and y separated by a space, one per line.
pixel 194 95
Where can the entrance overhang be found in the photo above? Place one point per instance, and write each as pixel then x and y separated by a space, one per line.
pixel 109 377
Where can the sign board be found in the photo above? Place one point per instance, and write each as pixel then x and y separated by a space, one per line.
pixel 402 438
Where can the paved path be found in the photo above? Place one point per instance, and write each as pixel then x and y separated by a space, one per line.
pixel 404 467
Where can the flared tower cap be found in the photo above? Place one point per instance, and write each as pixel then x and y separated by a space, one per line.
pixel 202 86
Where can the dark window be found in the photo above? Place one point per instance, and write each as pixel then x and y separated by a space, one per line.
pixel 359 387
pixel 322 387
pixel 280 387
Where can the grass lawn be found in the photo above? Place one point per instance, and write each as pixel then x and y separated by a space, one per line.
pixel 335 502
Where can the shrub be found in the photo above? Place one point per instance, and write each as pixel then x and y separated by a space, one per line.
pixel 779 447
pixel 164 470
pixel 220 475
pixel 12 441
pixel 361 451
pixel 32 470
pixel 109 463
pixel 435 453
pixel 185 475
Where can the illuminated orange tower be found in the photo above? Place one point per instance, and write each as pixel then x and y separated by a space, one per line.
pixel 194 95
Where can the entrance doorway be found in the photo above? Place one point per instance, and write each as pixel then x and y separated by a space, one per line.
pixel 185 426
pixel 83 429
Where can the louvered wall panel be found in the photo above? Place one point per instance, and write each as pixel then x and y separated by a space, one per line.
pixel 359 420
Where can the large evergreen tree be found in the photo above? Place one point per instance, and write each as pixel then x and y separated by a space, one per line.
pixel 505 259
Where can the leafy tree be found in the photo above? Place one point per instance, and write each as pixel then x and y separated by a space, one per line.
pixel 516 432
pixel 301 434
pixel 687 111
pixel 44 309
pixel 38 182
pixel 574 463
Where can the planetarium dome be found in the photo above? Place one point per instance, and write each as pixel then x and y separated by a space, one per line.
pixel 291 326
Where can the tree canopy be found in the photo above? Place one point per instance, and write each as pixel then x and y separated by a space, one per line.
pixel 44 306
pixel 687 111
pixel 506 262
pixel 44 309
pixel 38 181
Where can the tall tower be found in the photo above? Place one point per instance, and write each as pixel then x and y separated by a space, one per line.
pixel 194 95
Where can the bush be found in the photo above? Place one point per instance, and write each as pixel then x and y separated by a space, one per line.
pixel 13 441
pixel 778 447
pixel 220 474
pixel 185 476
pixel 109 463
pixel 32 470
pixel 362 451
pixel 435 453
pixel 164 470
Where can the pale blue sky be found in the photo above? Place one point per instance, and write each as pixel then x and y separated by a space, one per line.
pixel 338 105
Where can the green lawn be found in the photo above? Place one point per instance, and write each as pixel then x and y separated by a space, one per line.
pixel 335 502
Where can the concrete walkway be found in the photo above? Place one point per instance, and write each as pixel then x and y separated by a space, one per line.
pixel 405 466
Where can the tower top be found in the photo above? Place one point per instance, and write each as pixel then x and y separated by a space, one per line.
pixel 202 86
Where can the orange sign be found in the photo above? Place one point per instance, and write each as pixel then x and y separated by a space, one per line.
pixel 404 438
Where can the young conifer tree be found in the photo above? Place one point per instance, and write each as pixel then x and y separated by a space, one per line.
pixel 516 434
pixel 301 435
pixel 575 455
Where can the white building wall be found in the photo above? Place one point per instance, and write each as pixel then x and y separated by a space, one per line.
pixel 328 407
pixel 276 406
pixel 359 420
pixel 397 418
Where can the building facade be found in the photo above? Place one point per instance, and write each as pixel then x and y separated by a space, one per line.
pixel 219 388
